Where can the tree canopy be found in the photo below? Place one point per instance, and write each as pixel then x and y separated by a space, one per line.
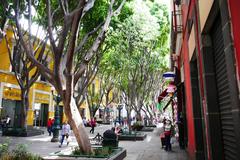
pixel 138 53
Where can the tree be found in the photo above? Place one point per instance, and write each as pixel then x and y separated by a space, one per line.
pixel 139 53
pixel 97 63
pixel 69 44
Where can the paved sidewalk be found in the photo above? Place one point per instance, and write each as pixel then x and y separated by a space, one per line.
pixel 149 149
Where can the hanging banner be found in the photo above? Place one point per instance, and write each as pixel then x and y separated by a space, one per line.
pixel 169 76
pixel 159 106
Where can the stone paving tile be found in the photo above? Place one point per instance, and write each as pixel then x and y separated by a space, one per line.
pixel 149 149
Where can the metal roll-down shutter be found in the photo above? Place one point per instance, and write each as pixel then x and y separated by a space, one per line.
pixel 223 90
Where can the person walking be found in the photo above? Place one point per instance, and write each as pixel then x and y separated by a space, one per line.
pixel 7 121
pixel 167 132
pixel 65 133
pixel 85 121
pixel 49 126
pixel 162 134
pixel 93 124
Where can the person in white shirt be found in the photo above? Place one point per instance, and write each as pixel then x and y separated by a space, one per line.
pixel 8 120
pixel 84 121
pixel 65 133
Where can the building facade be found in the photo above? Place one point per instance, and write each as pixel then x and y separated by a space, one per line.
pixel 205 48
pixel 41 104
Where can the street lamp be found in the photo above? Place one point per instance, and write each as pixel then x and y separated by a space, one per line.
pixel 177 2
pixel 56 125
pixel 119 107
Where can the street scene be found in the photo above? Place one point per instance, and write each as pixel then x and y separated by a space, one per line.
pixel 119 80
pixel 150 148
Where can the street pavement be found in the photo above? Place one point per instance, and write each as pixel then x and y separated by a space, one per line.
pixel 149 149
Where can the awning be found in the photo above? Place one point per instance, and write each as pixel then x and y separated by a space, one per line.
pixel 169 76
pixel 162 95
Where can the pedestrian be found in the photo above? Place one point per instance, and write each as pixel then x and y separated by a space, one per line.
pixel 162 136
pixel 93 124
pixel 65 133
pixel 167 132
pixel 85 121
pixel 118 130
pixel 49 126
pixel 53 121
pixel 6 121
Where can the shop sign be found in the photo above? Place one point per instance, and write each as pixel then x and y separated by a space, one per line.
pixel 11 93
pixel 42 98
pixel 42 87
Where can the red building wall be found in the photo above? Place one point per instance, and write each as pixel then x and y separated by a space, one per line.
pixel 235 16
pixel 188 92
pixel 186 13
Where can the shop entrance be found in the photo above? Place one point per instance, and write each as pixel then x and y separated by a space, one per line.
pixel 41 114
pixel 8 109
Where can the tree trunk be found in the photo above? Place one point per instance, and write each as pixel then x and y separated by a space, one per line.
pixel 105 115
pixel 75 121
pixel 24 108
pixel 139 118
pixel 151 119
pixel 129 121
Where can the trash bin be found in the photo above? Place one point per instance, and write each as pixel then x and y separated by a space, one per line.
pixel 109 139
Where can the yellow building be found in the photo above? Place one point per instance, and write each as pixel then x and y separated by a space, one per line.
pixel 41 104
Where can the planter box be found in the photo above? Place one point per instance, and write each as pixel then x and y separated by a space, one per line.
pixel 147 129
pixel 106 123
pixel 118 154
pixel 19 132
pixel 154 126
pixel 132 137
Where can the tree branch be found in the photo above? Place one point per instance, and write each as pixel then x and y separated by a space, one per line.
pixel 50 32
pixel 86 37
pixel 101 35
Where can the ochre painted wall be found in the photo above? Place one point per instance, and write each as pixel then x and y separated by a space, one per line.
pixel 5 63
pixel 9 80
pixel 14 94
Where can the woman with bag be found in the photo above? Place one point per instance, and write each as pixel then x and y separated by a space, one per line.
pixel 65 133
pixel 168 132
pixel 162 137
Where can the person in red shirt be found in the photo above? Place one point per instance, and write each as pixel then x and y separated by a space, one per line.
pixel 168 132
pixel 93 124
pixel 49 126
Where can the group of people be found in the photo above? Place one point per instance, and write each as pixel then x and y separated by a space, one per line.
pixel 64 132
